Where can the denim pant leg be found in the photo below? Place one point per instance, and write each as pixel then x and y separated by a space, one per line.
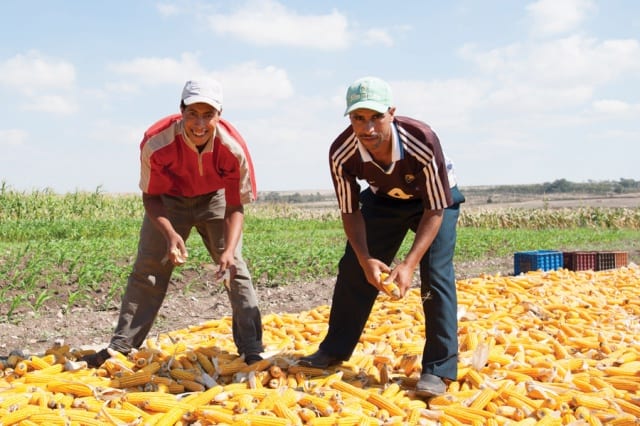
pixel 353 299
pixel 245 313
pixel 353 296
pixel 145 292
pixel 439 301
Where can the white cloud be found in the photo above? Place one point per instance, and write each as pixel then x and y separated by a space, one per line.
pixel 551 17
pixel 32 72
pixel 245 85
pixel 50 103
pixel 573 60
pixel 615 107
pixel 167 9
pixel 441 103
pixel 553 75
pixel 13 137
pixel 153 71
pixel 249 85
pixel 267 22
pixel 378 36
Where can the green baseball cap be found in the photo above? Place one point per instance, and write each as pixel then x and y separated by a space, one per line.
pixel 370 93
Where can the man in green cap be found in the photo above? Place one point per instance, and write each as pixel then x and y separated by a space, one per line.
pixel 411 186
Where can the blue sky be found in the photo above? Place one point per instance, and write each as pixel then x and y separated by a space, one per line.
pixel 518 91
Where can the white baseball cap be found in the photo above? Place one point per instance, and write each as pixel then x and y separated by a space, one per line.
pixel 207 91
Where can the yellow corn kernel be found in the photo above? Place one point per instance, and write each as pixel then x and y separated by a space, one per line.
pixel 314 402
pixel 205 363
pixel 171 417
pixel 281 410
pixel 350 389
pixel 152 367
pixel 77 389
pixel 483 398
pixel 216 414
pixel 589 401
pixel 474 378
pixel 384 404
pixel 38 363
pixel 306 414
pixel 391 289
pixel 138 378
pixel 261 365
pixel 465 414
pixel 181 374
pixel 192 385
pixel 263 420
pixel 229 368
pixel 19 415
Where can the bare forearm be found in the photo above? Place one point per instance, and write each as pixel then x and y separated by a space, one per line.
pixel 234 221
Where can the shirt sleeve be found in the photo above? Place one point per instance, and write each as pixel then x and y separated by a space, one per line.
pixel 235 166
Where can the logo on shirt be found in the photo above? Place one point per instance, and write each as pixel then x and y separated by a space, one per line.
pixel 399 193
pixel 409 178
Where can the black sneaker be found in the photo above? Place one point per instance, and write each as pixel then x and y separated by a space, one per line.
pixel 95 360
pixel 320 359
pixel 252 358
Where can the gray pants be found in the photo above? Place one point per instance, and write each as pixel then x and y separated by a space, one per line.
pixel 149 279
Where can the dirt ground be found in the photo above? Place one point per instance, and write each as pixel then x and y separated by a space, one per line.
pixel 189 304
pixel 82 327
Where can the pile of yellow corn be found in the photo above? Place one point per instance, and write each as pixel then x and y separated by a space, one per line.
pixel 545 348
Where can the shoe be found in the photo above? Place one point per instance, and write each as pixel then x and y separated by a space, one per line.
pixel 430 385
pixel 95 360
pixel 320 359
pixel 252 358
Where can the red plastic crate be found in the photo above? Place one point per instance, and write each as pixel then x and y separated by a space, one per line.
pixel 611 260
pixel 579 260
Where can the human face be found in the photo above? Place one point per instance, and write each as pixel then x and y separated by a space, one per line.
pixel 200 120
pixel 372 128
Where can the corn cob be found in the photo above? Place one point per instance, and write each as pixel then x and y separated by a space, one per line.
pixel 391 289
pixel 384 404
pixel 19 415
pixel 138 378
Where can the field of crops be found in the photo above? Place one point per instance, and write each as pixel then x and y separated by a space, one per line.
pixel 545 348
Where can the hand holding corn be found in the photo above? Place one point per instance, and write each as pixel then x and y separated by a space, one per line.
pixel 178 257
pixel 390 288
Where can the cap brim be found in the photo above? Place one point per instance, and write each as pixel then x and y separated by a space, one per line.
pixel 372 105
pixel 203 99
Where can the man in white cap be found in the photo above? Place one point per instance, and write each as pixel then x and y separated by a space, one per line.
pixel 411 186
pixel 196 172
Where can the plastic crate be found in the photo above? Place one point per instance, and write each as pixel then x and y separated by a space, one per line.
pixel 544 260
pixel 611 260
pixel 579 260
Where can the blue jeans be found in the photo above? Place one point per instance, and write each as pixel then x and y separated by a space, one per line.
pixel 387 223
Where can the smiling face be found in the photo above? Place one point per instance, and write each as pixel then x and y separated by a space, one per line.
pixel 372 128
pixel 200 120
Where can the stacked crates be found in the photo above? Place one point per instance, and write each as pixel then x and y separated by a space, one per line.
pixel 611 260
pixel 544 260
